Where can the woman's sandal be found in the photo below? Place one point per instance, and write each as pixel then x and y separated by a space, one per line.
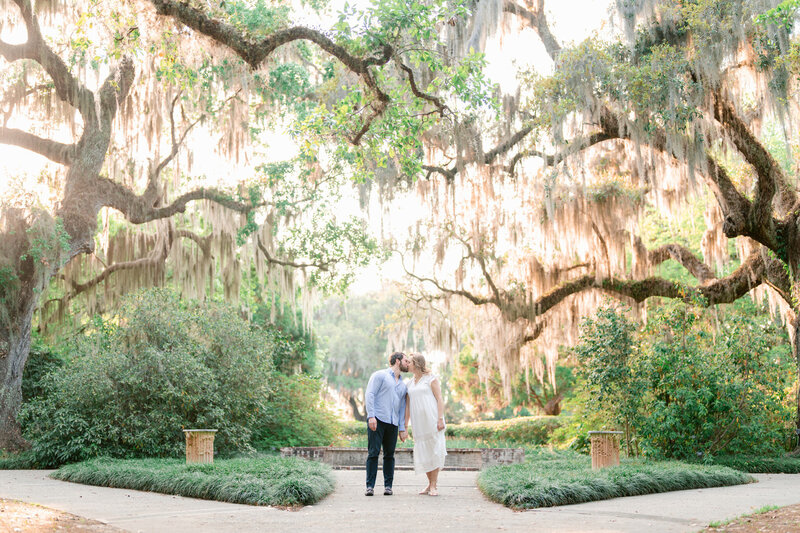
pixel 426 491
pixel 433 492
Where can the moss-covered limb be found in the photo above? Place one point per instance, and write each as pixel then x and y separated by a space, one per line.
pixel 264 480
pixel 771 180
pixel 255 52
pixel 55 151
pixel 537 20
pixel 682 255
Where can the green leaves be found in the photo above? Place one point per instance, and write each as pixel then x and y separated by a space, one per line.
pixel 257 18
pixel 159 366
pixel 685 390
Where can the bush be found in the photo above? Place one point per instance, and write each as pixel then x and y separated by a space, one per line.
pixel 257 481
pixel 761 465
pixel 686 391
pixel 295 416
pixel 529 430
pixel 42 360
pixel 353 428
pixel 547 479
pixel 158 367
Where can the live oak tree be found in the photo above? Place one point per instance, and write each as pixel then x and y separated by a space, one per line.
pixel 116 95
pixel 543 216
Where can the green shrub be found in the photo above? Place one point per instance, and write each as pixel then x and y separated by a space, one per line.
pixel 295 416
pixel 264 480
pixel 353 428
pixel 158 367
pixel 561 478
pixel 682 388
pixel 529 430
pixel 42 360
pixel 760 465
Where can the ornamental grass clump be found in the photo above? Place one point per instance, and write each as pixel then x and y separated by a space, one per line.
pixel 547 479
pixel 261 480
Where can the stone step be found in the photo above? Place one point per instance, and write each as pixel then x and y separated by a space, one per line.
pixel 457 458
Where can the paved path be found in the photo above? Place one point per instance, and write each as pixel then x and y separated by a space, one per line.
pixel 460 507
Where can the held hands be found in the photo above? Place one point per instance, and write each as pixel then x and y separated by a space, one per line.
pixel 373 423
pixel 403 436
pixel 440 424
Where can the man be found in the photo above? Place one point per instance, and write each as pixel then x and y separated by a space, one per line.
pixel 386 411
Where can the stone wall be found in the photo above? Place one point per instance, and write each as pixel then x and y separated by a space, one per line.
pixel 457 458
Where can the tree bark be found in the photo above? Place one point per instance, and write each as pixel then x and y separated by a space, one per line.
pixel 553 405
pixel 796 352
pixel 356 409
pixel 11 365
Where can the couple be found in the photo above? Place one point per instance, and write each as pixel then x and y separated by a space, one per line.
pixel 390 404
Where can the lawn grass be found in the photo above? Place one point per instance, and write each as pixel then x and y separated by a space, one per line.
pixel 549 478
pixel 260 480
pixel 760 510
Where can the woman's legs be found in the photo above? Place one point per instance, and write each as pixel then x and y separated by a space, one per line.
pixel 433 479
pixel 428 488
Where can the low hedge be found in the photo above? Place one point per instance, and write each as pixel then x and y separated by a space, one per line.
pixel 261 480
pixel 521 431
pixel 526 430
pixel 761 465
pixel 560 478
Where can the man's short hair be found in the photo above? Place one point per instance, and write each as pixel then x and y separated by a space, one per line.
pixel 395 357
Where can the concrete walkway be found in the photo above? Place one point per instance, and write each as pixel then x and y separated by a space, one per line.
pixel 460 507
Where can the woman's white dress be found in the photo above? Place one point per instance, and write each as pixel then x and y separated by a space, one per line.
pixel 429 444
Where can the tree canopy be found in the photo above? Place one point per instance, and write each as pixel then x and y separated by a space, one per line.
pixel 112 94
pixel 534 202
pixel 546 217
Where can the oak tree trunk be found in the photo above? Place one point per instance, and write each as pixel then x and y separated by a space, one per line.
pixel 11 367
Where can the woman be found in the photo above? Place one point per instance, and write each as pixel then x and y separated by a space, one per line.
pixel 425 408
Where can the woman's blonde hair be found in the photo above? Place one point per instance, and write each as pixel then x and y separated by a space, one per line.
pixel 419 362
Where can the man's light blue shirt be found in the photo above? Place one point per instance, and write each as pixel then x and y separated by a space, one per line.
pixel 386 398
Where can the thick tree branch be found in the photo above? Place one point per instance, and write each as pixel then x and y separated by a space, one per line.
pixel 482 263
pixel 437 102
pixel 324 266
pixel 67 87
pixel 52 150
pixel 681 255
pixel 137 210
pixel 770 177
pixel 505 146
pixel 477 300
pixel 158 256
pixel 255 52
pixel 570 148
pixel 538 22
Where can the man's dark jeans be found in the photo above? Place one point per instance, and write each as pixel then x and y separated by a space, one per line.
pixel 384 435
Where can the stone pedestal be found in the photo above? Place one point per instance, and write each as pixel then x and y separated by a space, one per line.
pixel 199 445
pixel 605 448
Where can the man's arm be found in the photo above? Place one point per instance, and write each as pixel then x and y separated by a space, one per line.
pixel 402 416
pixel 372 388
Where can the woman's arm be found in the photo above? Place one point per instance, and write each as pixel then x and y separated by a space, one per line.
pixel 437 393
pixel 408 411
